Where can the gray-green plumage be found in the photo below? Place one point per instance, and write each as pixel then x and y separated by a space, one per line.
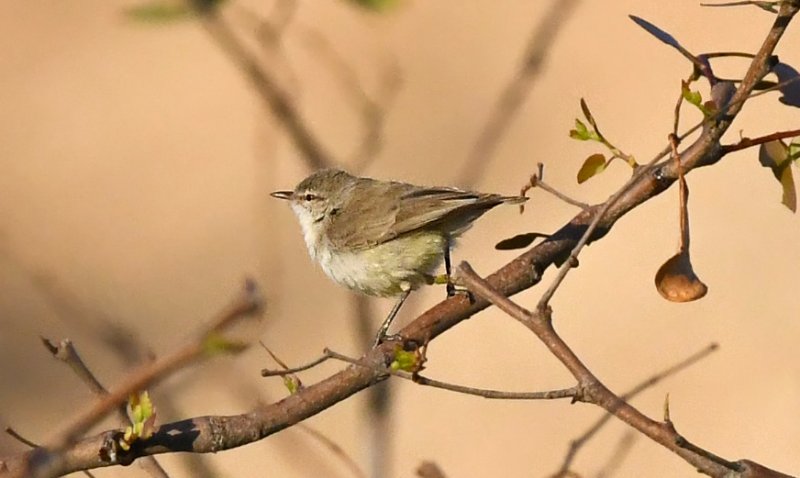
pixel 382 238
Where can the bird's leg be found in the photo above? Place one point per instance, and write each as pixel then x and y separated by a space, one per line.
pixel 387 322
pixel 451 288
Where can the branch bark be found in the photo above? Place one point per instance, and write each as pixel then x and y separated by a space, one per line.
pixel 217 433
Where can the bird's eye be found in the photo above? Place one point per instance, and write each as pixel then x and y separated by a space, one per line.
pixel 309 197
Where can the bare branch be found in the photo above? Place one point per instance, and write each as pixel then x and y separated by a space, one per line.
pixel 576 444
pixel 274 98
pixel 48 460
pixel 65 351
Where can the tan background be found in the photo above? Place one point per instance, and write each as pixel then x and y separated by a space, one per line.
pixel 135 166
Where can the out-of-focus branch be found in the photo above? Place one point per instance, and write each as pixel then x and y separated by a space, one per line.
pixel 65 352
pixel 277 101
pixel 591 389
pixel 578 443
pixel 373 108
pixel 216 433
pixel 50 459
pixel 516 91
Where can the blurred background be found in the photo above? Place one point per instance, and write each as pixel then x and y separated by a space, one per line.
pixel 136 162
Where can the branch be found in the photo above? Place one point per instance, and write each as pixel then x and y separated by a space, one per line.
pixel 516 91
pixel 65 352
pixel 577 443
pixel 217 433
pixel 58 452
pixel 592 391
pixel 274 98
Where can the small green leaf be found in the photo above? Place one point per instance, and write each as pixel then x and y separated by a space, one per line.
pixel 583 134
pixel 580 132
pixel 159 12
pixel 142 414
pixel 696 99
pixel 292 383
pixel 166 11
pixel 693 97
pixel 375 5
pixel 794 153
pixel 594 164
pixel 404 360
pixel 216 343
pixel 775 155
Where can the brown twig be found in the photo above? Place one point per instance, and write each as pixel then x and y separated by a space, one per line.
pixel 590 389
pixel 274 98
pixel 578 443
pixel 216 433
pixel 334 448
pixel 46 460
pixel 745 143
pixel 480 392
pixel 65 352
pixel 487 393
pixel 621 451
pixel 14 434
pixel 536 181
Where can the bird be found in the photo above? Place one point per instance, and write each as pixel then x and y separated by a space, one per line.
pixel 384 238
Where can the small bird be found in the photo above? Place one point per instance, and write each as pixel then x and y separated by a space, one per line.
pixel 384 238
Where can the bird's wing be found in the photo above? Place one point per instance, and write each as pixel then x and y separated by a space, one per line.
pixel 363 223
pixel 452 210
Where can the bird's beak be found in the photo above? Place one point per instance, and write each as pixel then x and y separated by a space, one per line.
pixel 283 194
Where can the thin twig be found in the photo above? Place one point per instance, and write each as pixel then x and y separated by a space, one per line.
pixel 487 393
pixel 273 97
pixel 571 392
pixel 290 370
pixel 248 303
pixel 745 143
pixel 65 352
pixel 537 181
pixel 577 443
pixel 591 390
pixel 334 448
pixel 13 433
pixel 621 451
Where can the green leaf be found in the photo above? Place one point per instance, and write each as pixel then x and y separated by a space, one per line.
pixel 580 132
pixel 794 153
pixel 775 156
pixel 593 165
pixel 159 11
pixel 693 97
pixel 292 383
pixel 216 343
pixel 142 414
pixel 404 360
pixel 375 5
pixel 166 11
pixel 696 99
